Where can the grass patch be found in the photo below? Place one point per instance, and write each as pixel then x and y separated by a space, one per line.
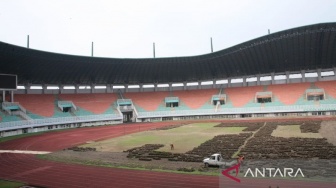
pixel 120 166
pixel 10 184
pixel 184 138
pixel 287 131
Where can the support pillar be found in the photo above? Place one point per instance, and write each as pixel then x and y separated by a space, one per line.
pixel 214 84
pixel 92 88
pixel 229 82
pixel 44 89
pixel 60 89
pixel 287 77
pixel 319 76
pixel 244 81
pixel 26 89
pixel 199 85
pixel 258 80
pixel 141 89
pixel 155 87
pixel 272 78
pixel 303 79
pixel 184 85
pixel 3 96
pixel 76 89
pixel 126 88
pixel 12 96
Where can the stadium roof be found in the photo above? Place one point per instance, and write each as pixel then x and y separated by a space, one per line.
pixel 303 48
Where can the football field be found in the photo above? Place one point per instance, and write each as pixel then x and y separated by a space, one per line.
pixel 184 138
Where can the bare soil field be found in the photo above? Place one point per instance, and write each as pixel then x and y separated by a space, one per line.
pixel 328 131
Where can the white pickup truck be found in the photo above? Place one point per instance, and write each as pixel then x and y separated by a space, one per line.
pixel 217 160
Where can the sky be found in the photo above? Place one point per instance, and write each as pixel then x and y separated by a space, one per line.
pixel 128 28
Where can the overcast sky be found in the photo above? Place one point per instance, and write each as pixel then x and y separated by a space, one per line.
pixel 127 29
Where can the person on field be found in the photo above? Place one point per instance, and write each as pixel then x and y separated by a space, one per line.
pixel 240 159
pixel 171 146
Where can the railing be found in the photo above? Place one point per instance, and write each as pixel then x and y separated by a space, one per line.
pixel 271 109
pixel 126 108
pixel 264 93
pixel 53 121
pixel 4 105
pixel 60 104
pixel 314 90
pixel 170 99
pixel 120 94
pixel 119 111
pixel 124 101
pixel 218 97
pixel 6 110
pixel 22 114
pixel 135 111
pixel 8 104
pixel 217 105
pixel 78 119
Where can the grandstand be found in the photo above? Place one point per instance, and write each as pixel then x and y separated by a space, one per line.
pixel 238 82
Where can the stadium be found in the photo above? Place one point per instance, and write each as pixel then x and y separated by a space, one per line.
pixel 58 102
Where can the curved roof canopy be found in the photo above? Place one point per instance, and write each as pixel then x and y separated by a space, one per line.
pixel 303 48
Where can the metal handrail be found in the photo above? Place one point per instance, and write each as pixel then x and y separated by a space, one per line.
pixel 266 109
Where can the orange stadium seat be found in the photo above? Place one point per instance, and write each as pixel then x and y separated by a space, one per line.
pixel 43 105
pixel 240 96
pixel 328 86
pixel 149 101
pixel 95 103
pixel 195 99
pixel 289 93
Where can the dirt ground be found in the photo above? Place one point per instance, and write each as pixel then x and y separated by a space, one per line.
pixel 328 131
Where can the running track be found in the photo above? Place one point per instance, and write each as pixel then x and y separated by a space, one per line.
pixel 29 169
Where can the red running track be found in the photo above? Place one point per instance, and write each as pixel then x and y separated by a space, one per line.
pixel 28 168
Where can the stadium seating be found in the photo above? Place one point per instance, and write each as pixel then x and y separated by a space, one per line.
pixel 42 105
pixel 7 118
pixel 289 94
pixel 240 96
pixel 147 101
pixel 328 86
pixel 196 99
pixel 45 105
pixel 91 103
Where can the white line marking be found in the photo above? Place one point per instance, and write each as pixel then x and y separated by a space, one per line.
pixel 24 151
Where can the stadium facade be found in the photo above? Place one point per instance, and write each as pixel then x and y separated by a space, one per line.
pixel 288 73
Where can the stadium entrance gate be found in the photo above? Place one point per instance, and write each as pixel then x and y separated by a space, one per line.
pixel 127 116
